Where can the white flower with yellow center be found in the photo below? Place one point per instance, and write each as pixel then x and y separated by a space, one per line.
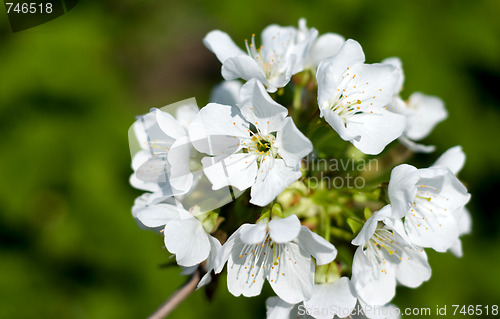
pixel 385 257
pixel 278 251
pixel 281 55
pixel 353 98
pixel 253 145
pixel 429 200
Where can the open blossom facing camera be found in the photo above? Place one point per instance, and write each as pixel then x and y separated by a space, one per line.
pixel 353 98
pixel 282 54
pixel 430 200
pixel 383 258
pixel 256 184
pixel 278 251
pixel 254 145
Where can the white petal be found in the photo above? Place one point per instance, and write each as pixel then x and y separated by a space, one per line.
pixel 464 222
pixel 415 147
pixel 253 234
pixel 186 112
pixel 239 274
pixel 215 247
pixel 453 159
pixel 396 62
pixel 273 178
pixel 413 269
pixel 260 109
pixel 318 247
pixel 187 240
pixel 158 215
pixel 284 230
pixel 292 144
pixel 244 67
pixel 331 69
pixel 226 93
pixel 221 44
pixel 371 284
pixel 180 177
pixel 388 311
pixel 238 170
pixel 438 231
pixel 140 158
pixel 375 130
pixel 452 193
pixel 276 308
pixel 456 249
pixel 371 225
pixel 293 278
pixel 335 299
pixel 228 246
pixel 217 129
pixel 325 46
pixel 402 188
pixel 169 125
pixel 429 111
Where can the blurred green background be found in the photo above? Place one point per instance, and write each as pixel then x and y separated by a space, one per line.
pixel 70 89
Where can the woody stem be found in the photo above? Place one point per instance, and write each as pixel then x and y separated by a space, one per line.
pixel 178 296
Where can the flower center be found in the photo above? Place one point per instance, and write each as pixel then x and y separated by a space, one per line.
pixel 382 245
pixel 262 146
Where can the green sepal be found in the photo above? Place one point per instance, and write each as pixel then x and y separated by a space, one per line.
pixel 367 213
pixel 355 224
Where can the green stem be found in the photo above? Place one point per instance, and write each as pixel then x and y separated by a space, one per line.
pixel 297 97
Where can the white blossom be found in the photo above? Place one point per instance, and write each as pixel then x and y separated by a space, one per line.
pixel 353 98
pixel 430 200
pixel 253 145
pixel 384 257
pixel 281 55
pixel 278 251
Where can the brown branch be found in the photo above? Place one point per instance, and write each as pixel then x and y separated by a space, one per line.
pixel 178 296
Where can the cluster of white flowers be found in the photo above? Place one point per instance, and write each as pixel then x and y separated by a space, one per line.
pixel 197 166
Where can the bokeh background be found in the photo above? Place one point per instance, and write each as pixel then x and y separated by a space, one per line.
pixel 70 89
